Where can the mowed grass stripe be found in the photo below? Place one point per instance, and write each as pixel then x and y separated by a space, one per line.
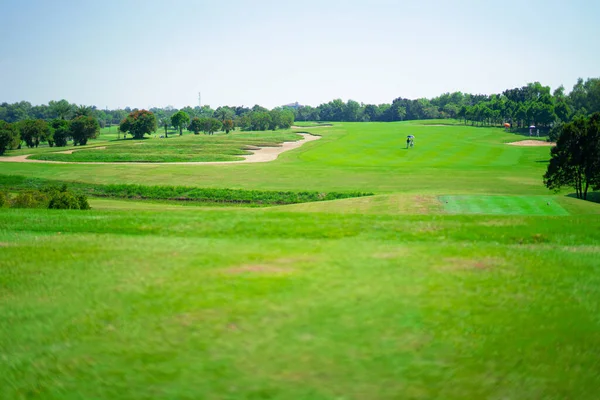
pixel 502 205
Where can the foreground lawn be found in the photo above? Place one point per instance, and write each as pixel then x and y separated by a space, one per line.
pixel 272 304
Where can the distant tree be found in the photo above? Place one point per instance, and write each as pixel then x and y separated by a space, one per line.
pixel 223 113
pixel 165 122
pixel 60 109
pixel 260 121
pixel 227 125
pixel 211 125
pixel 180 120
pixel 60 131
pixel 196 125
pixel 34 131
pixel 9 136
pixel 275 119
pixel 286 119
pixel 83 111
pixel 575 161
pixel 83 128
pixel 139 123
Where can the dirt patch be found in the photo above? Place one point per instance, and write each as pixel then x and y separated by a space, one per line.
pixel 533 143
pixel 262 154
pixel 4 244
pixel 390 255
pixel 466 264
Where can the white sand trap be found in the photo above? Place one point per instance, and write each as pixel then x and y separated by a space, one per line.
pixel 262 154
pixel 74 150
pixel 532 143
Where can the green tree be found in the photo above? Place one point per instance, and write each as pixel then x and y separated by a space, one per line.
pixel 60 109
pixel 260 121
pixel 165 122
pixel 83 111
pixel 9 135
pixel 139 123
pixel 83 128
pixel 227 125
pixel 61 131
pixel 196 125
pixel 34 131
pixel 180 120
pixel 223 113
pixel 210 125
pixel 575 161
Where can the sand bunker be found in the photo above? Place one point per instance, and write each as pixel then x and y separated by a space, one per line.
pixel 532 143
pixel 262 154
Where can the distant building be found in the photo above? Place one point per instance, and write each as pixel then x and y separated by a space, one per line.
pixel 295 105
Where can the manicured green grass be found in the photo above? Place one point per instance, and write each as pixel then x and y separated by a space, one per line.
pixel 502 205
pixel 493 295
pixel 287 305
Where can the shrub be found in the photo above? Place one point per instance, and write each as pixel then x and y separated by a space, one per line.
pixel 30 199
pixel 64 201
pixel 83 202
pixel 4 200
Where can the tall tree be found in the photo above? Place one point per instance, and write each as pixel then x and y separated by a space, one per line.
pixel 83 128
pixel 196 125
pixel 83 111
pixel 575 161
pixel 228 125
pixel 9 136
pixel 60 109
pixel 180 120
pixel 139 123
pixel 61 131
pixel 34 131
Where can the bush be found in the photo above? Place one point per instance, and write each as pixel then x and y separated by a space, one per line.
pixel 51 197
pixel 83 202
pixel 4 200
pixel 30 199
pixel 64 201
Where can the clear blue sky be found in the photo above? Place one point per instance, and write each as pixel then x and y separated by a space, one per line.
pixel 155 53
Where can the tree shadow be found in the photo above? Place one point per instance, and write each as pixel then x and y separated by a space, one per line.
pixel 594 197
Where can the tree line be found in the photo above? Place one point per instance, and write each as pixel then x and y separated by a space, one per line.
pixel 56 132
pixel 531 104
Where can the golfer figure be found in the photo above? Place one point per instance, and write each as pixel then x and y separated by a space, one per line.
pixel 407 141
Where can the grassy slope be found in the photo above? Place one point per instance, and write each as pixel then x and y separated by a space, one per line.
pixel 380 297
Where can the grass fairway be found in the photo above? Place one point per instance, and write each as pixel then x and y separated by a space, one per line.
pixel 502 205
pixel 400 295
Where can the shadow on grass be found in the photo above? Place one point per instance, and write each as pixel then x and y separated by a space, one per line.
pixel 594 197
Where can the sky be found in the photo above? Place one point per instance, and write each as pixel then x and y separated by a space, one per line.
pixel 154 53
